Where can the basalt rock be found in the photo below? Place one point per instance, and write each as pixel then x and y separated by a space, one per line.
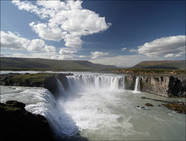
pixel 46 80
pixel 177 87
pixel 130 82
pixel 18 124
pixel 162 85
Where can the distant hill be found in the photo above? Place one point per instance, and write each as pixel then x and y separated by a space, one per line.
pixel 9 63
pixel 168 64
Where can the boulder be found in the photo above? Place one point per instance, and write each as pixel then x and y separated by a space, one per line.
pixel 148 104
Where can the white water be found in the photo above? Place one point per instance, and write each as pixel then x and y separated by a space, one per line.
pixel 137 85
pixel 98 106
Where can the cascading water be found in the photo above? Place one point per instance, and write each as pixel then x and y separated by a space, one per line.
pixel 97 104
pixel 137 85
pixel 56 110
pixel 96 81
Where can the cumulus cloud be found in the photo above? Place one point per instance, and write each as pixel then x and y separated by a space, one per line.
pixel 98 54
pixel 123 49
pixel 50 49
pixel 14 41
pixel 36 45
pixel 66 20
pixel 172 46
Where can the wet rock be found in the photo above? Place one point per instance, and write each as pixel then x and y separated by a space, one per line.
pixel 177 87
pixel 142 108
pixel 178 107
pixel 149 105
pixel 50 83
pixel 15 104
pixel 130 82
pixel 18 124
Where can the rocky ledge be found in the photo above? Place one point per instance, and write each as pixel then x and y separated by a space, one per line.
pixel 46 80
pixel 162 85
pixel 18 124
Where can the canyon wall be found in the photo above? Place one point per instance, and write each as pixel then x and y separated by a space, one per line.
pixel 167 86
pixel 46 80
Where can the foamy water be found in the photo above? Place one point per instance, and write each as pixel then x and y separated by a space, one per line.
pixel 99 108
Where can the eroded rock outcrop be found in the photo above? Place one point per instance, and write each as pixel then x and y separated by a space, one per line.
pixel 46 80
pixel 130 82
pixel 18 124
pixel 163 85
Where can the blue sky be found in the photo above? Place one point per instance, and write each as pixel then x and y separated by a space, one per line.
pixel 120 33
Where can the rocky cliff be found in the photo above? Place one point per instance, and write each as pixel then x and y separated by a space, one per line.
pixel 167 86
pixel 19 124
pixel 46 80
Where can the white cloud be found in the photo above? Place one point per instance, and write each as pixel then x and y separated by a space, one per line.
pixel 98 54
pixel 172 46
pixel 66 20
pixel 123 49
pixel 29 7
pixel 14 41
pixel 50 49
pixel 65 51
pixel 133 50
pixel 36 45
pixel 123 61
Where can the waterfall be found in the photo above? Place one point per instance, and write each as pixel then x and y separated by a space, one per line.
pixel 96 81
pixel 137 85
pixel 61 90
pixel 54 109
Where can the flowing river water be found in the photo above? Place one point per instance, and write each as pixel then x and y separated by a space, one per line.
pixel 98 107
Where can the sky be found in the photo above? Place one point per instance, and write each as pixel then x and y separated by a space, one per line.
pixel 111 32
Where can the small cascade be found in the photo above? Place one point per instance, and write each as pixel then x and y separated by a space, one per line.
pixel 61 90
pixel 137 85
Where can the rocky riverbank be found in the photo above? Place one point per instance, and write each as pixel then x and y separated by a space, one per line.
pixel 177 106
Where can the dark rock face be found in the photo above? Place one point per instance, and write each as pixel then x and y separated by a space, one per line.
pixel 51 84
pixel 130 82
pixel 176 87
pixel 18 124
pixel 15 104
